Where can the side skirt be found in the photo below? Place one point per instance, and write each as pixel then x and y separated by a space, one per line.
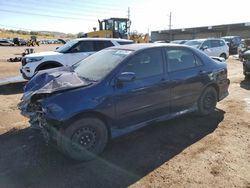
pixel 119 132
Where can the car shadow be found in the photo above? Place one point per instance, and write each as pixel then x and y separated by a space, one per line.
pixel 26 161
pixel 245 84
pixel 12 88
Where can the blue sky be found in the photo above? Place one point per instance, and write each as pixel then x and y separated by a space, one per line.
pixel 73 16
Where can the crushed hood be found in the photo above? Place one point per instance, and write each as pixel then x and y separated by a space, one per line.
pixel 53 80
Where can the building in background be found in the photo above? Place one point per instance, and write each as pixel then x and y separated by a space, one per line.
pixel 239 29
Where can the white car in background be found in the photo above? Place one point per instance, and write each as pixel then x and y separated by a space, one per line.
pixel 68 54
pixel 6 42
pixel 212 47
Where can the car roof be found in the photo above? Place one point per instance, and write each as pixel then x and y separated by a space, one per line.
pixel 135 47
pixel 103 39
pixel 206 39
pixel 229 37
pixel 8 40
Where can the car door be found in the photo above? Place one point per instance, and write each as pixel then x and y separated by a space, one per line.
pixel 4 43
pixel 186 74
pixel 206 47
pixel 216 48
pixel 147 96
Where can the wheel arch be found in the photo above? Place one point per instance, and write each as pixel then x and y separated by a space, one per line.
pixel 215 86
pixel 56 63
pixel 224 55
pixel 104 118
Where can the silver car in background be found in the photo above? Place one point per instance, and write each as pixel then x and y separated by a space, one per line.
pixel 212 47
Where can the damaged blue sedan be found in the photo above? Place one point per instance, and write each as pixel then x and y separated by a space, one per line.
pixel 118 90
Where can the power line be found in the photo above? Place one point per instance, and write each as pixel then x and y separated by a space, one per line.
pixel 91 15
pixel 45 15
pixel 82 14
pixel 76 5
pixel 62 11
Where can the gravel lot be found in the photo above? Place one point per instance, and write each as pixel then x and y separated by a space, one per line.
pixel 191 151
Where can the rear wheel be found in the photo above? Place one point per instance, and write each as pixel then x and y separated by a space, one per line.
pixel 207 101
pixel 84 139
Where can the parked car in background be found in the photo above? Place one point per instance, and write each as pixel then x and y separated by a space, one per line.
pixel 244 46
pixel 161 41
pixel 19 42
pixel 6 42
pixel 233 43
pixel 66 55
pixel 178 41
pixel 212 46
pixel 121 89
pixel 245 58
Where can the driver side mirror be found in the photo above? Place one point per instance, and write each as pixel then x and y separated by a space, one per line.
pixel 204 48
pixel 126 77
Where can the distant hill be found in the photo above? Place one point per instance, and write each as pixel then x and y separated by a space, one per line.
pixel 9 33
pixel 55 33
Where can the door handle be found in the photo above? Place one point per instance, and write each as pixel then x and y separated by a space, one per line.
pixel 201 72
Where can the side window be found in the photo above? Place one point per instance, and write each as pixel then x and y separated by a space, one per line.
pixel 83 46
pixel 206 43
pixel 222 43
pixel 180 59
pixel 124 42
pixel 215 43
pixel 99 45
pixel 238 40
pixel 234 41
pixel 146 64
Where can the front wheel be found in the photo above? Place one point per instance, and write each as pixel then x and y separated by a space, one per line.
pixel 223 56
pixel 84 139
pixel 207 101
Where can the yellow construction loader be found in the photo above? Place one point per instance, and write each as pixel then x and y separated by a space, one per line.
pixel 117 28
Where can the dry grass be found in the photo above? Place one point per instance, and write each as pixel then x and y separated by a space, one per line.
pixel 7 34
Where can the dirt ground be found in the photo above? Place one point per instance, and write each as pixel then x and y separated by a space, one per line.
pixel 190 151
pixel 8 69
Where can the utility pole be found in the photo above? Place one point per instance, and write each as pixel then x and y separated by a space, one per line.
pixel 169 26
pixel 129 21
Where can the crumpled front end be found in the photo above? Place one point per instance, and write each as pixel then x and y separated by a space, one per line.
pixel 31 109
pixel 39 89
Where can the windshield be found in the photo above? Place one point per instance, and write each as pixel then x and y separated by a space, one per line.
pixel 98 65
pixel 194 43
pixel 66 46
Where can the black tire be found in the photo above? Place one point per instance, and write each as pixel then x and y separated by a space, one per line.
pixel 223 56
pixel 247 77
pixel 207 101
pixel 84 139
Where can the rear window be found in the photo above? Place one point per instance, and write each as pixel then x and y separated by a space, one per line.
pixel 99 45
